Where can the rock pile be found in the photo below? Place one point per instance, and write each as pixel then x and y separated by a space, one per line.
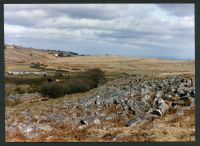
pixel 145 98
pixel 23 97
pixel 129 100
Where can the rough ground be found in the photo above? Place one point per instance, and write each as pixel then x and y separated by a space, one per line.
pixel 145 100
pixel 20 60
pixel 130 108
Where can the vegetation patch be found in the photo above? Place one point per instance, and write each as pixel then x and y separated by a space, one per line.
pixel 83 82
pixel 37 65
pixel 25 80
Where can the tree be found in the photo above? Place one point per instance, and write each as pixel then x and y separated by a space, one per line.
pixel 61 54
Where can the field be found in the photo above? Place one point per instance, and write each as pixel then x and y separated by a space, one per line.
pixel 97 115
pixel 20 60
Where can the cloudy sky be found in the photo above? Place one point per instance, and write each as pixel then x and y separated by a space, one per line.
pixel 148 30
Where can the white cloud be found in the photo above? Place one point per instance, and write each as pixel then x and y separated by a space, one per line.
pixel 144 26
pixel 13 29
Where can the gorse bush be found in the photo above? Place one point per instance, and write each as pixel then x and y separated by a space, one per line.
pixel 19 90
pixel 78 85
pixel 53 90
pixel 83 82
pixel 93 74
pixel 32 89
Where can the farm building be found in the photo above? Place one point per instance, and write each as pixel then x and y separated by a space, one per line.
pixel 56 55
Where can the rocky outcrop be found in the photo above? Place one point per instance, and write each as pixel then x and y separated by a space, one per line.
pixel 130 100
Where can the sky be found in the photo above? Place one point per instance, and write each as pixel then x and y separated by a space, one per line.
pixel 145 30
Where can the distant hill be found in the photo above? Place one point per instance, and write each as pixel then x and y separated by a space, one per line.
pixel 14 53
pixel 17 54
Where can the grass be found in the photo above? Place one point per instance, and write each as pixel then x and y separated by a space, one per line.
pixel 20 67
pixel 30 80
pixel 12 103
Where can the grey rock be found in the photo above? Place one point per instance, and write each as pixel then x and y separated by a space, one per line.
pixel 96 121
pixel 167 97
pixel 147 99
pixel 173 90
pixel 180 91
pixel 98 102
pixel 125 106
pixel 121 113
pixel 189 82
pixel 133 122
pixel 159 106
pixel 130 102
pixel 160 94
pixel 55 118
pixel 111 116
pixel 157 112
pixel 98 96
pixel 145 92
pixel 44 127
pixel 187 89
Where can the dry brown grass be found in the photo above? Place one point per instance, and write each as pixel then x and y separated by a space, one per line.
pixel 16 137
pixel 19 59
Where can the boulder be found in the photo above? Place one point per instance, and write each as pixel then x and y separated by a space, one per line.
pixel 167 97
pixel 55 118
pixel 96 121
pixel 98 102
pixel 125 106
pixel 159 106
pixel 44 127
pixel 133 122
pixel 160 94
pixel 157 112
pixel 119 106
pixel 189 82
pixel 111 116
pixel 180 91
pixel 147 99
pixel 130 102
